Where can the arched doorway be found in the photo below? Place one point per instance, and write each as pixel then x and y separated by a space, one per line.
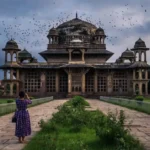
pixel 143 89
pixel 137 89
pixel 14 89
pixel 76 55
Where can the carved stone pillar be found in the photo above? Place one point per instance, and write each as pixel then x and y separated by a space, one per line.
pixel 5 74
pixel 146 74
pixel 69 55
pixel 43 83
pixel 57 81
pixel 146 88
pixel 95 82
pixel 17 72
pixel 83 82
pixel 11 74
pixel 110 83
pixel 4 89
pixel 69 82
pixel 133 74
pixel 11 54
pixel 140 74
pixel 140 89
pixel 83 51
pixel 145 57
pixel 11 89
pixel 134 92
pixel 140 56
pixel 17 90
pixel 5 57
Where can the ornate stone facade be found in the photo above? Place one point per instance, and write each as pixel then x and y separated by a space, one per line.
pixel 76 64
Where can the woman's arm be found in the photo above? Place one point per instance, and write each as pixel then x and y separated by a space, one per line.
pixel 28 99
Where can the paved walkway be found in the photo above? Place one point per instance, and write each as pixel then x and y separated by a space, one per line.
pixel 7 129
pixel 140 126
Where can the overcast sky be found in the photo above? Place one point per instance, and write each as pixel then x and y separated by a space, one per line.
pixel 28 22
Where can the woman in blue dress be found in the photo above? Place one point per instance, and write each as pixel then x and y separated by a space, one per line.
pixel 23 126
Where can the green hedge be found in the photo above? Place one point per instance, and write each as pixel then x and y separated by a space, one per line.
pixel 11 107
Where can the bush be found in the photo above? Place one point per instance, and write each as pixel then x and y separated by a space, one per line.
pixel 10 101
pixel 78 101
pixel 32 97
pixel 139 98
pixel 110 130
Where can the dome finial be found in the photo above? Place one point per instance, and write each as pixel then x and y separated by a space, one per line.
pixel 76 15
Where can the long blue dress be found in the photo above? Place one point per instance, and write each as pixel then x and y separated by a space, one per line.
pixel 23 126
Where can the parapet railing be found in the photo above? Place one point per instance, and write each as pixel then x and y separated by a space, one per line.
pixel 129 103
pixel 11 107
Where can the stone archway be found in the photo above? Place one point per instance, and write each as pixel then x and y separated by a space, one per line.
pixel 143 89
pixel 76 55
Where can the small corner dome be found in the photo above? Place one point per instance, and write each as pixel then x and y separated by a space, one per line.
pixel 24 54
pixel 53 31
pixel 128 53
pixel 11 44
pixel 140 44
pixel 76 41
pixel 99 31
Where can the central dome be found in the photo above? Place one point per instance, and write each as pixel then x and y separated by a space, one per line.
pixel 77 25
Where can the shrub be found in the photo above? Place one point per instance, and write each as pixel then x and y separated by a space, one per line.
pixel 32 97
pixel 78 101
pixel 49 127
pixel 110 130
pixel 10 101
pixel 139 98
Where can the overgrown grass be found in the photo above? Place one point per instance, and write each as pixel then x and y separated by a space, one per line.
pixel 74 128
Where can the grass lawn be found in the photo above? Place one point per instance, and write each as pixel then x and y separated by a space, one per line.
pixel 66 140
pixel 74 128
pixel 147 99
pixel 3 100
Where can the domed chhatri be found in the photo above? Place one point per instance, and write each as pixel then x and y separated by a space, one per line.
pixel 24 54
pixel 128 54
pixel 53 31
pixel 11 44
pixel 77 24
pixel 99 31
pixel 139 44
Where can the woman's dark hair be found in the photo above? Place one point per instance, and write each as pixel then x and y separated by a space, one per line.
pixel 22 94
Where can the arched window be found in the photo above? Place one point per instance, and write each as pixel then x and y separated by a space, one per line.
pixel 137 56
pixel 137 74
pixel 14 89
pixel 8 74
pixel 14 57
pixel 137 89
pixel 8 89
pixel 142 57
pixel 8 57
pixel 143 88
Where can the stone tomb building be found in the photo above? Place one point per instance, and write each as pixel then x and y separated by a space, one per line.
pixel 76 64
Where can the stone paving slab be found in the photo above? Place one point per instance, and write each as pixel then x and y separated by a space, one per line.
pixel 140 126
pixel 7 129
pixel 140 122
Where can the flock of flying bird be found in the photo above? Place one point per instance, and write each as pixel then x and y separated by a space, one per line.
pixel 33 33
